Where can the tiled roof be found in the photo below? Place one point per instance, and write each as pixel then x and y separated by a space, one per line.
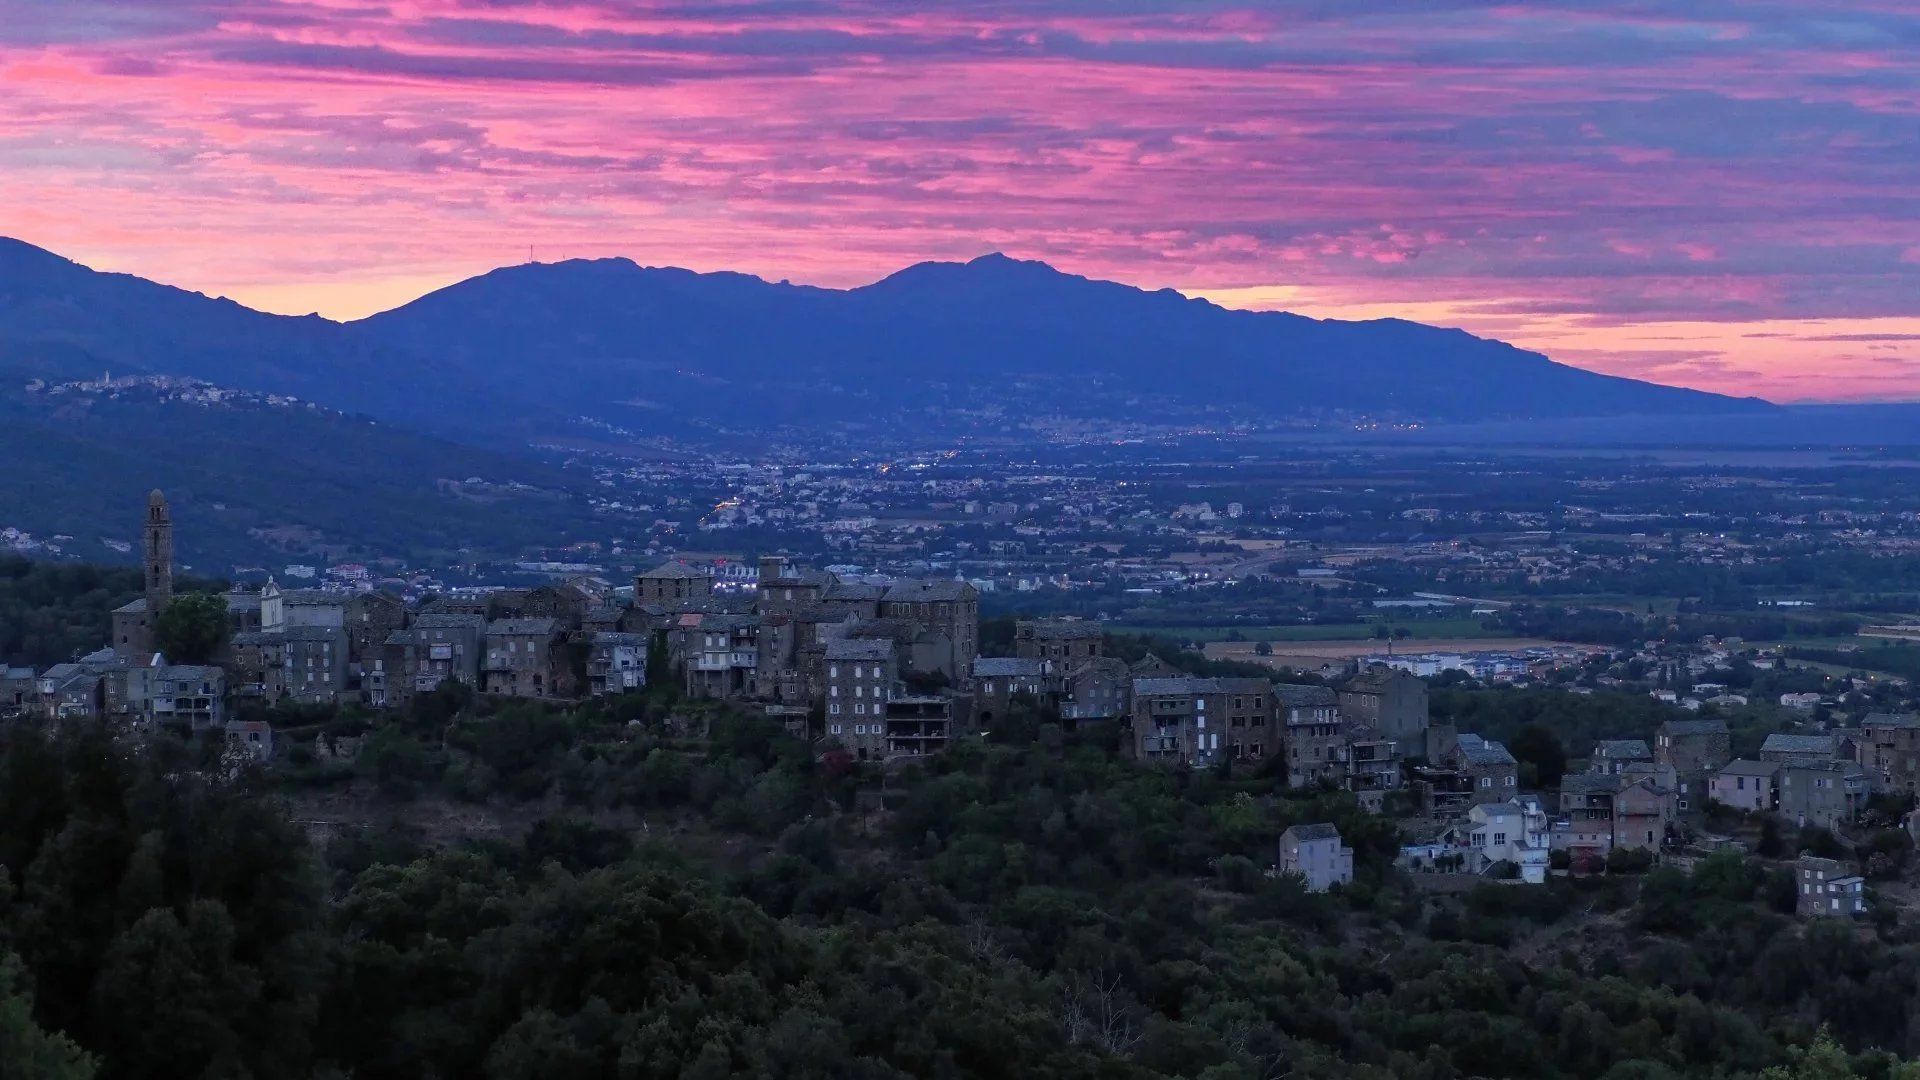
pixel 1783 743
pixel 924 591
pixel 1487 753
pixel 672 570
pixel 860 649
pixel 535 626
pixel 1304 695
pixel 1622 748
pixel 1744 767
pixel 1320 830
pixel 1062 629
pixel 1006 667
pixel 1694 727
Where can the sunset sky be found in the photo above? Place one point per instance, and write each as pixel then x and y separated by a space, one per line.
pixel 1722 195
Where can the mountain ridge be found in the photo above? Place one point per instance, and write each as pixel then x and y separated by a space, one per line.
pixel 934 348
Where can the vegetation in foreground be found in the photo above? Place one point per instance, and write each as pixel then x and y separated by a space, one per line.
pixel 1037 905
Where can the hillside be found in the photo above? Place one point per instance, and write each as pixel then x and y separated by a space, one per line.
pixel 259 478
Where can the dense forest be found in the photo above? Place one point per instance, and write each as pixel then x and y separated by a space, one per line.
pixel 50 612
pixel 698 894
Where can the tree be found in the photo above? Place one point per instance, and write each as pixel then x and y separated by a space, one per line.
pixel 1826 1060
pixel 1264 648
pixel 192 629
pixel 25 1050
pixel 1538 746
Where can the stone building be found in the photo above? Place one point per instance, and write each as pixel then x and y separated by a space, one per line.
pixel 191 696
pixel 1312 735
pixel 1821 793
pixel 1694 749
pixel 860 678
pixel 316 663
pixel 1199 721
pixel 1887 746
pixel 1096 689
pixel 719 654
pixel 945 615
pixel 673 586
pixel 257 666
pixel 1391 702
pixel 1058 644
pixel 616 662
pixel 1744 785
pixel 133 623
pixel 1828 887
pixel 996 681
pixel 523 659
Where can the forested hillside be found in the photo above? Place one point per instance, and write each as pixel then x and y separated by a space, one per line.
pixel 696 895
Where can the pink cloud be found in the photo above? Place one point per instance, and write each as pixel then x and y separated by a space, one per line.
pixel 1568 162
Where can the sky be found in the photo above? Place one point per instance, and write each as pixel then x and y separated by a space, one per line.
pixel 1719 195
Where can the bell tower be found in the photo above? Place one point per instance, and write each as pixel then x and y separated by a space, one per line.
pixel 158 553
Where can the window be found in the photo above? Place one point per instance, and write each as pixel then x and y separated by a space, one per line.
pixel 835 729
pixel 1486 781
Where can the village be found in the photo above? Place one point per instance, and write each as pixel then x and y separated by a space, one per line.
pixel 888 671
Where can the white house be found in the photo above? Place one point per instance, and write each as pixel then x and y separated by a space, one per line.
pixel 1316 853
pixel 1514 831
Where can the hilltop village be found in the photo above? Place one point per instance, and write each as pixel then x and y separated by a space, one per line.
pixel 888 671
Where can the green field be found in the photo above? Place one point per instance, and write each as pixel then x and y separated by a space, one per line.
pixel 1418 630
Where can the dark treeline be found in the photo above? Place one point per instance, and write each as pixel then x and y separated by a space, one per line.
pixel 51 612
pixel 1043 909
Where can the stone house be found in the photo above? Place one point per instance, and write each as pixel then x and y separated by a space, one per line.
pixel 719 654
pixel 1312 735
pixel 1888 747
pixel 996 680
pixel 945 614
pixel 18 688
pixel 71 692
pixel 257 666
pixel 1785 749
pixel 187 695
pixel 1744 785
pixel 1199 721
pixel 1615 755
pixel 523 658
pixel 1059 645
pixel 860 678
pixel 316 663
pixel 1316 854
pixel 1096 689
pixel 673 586
pixel 1373 767
pixel 1821 793
pixel 249 740
pixel 1828 887
pixel 616 662
pixel 1643 811
pixel 1694 749
pixel 1465 770
pixel 1391 702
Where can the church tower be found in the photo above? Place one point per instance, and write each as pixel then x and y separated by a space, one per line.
pixel 159 553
